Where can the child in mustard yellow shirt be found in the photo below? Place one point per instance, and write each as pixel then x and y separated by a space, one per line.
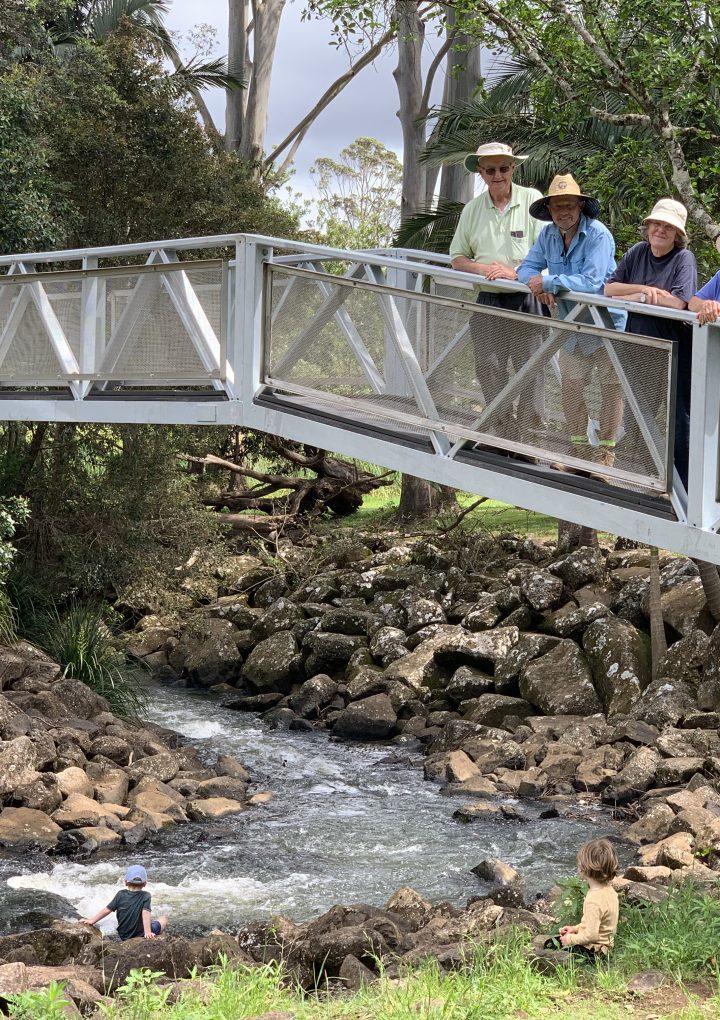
pixel 594 936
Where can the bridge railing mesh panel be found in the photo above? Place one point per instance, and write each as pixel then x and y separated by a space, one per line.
pixel 504 380
pixel 140 325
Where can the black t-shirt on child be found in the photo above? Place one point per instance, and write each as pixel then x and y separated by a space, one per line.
pixel 129 905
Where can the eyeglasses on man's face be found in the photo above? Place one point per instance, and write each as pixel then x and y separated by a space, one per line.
pixel 490 171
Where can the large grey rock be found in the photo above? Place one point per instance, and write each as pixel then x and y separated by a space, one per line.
pixel 529 646
pixel 540 589
pixel 619 656
pixel 580 567
pixel 208 652
pixel 635 778
pixel 490 608
pixel 314 694
pixel 17 764
pixel 283 615
pixel 388 644
pixel 684 608
pixel 79 699
pixel 482 650
pixel 13 722
pixel 19 826
pixel 274 664
pixel 664 702
pixel 346 620
pixel 689 659
pixel 372 718
pixel 468 683
pixel 560 682
pixel 574 620
pixel 328 651
pixel 491 709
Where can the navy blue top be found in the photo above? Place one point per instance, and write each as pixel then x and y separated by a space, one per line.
pixel 129 906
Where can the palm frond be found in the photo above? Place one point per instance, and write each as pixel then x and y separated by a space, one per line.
pixel 432 230
pixel 196 74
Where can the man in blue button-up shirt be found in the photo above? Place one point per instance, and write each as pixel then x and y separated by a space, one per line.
pixel 579 254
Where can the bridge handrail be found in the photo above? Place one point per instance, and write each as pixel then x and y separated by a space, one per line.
pixel 398 262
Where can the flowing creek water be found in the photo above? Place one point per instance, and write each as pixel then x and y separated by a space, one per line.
pixel 345 824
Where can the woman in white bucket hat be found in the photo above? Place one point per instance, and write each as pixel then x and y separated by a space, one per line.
pixel 660 271
pixel 494 234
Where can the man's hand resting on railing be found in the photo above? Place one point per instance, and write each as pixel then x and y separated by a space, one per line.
pixel 707 311
pixel 498 271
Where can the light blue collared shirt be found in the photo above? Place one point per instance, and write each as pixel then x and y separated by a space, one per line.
pixel 584 267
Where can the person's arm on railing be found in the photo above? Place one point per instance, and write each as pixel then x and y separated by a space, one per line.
pixel 490 270
pixel 653 295
pixel 707 311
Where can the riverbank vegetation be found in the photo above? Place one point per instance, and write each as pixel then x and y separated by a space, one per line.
pixel 676 940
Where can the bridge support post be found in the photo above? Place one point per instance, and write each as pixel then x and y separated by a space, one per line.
pixel 703 480
pixel 245 338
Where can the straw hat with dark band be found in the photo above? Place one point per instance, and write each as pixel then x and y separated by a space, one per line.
pixel 490 149
pixel 564 186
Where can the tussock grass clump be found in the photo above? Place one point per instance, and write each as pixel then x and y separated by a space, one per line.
pixel 81 642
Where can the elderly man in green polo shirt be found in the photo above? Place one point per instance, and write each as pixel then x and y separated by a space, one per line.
pixel 494 234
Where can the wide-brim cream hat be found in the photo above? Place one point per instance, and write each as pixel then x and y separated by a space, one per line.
pixel 667 210
pixel 489 149
pixel 564 185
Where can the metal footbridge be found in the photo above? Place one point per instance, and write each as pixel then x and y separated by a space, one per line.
pixel 378 355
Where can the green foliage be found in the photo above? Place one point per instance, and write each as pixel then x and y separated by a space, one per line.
pixel 359 203
pixel 47 1004
pixel 81 642
pixel 679 936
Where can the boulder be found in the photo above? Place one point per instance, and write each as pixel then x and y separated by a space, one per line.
pixel 19 826
pixel 315 694
pixel 79 811
pixel 619 656
pixel 222 786
pixel 79 699
pixel 507 887
pixel 209 809
pixel 468 683
pixel 664 702
pixel 573 621
pixel 580 567
pixel 41 793
pixel 635 778
pixel 492 709
pixel 540 589
pixel 684 608
pixel 282 615
pixel 162 767
pixel 653 826
pixel 74 780
pixel 169 955
pixel 372 718
pixel 273 664
pixel 354 974
pixel 560 682
pixel 17 764
pixel 13 722
pixel 482 650
pixel 329 652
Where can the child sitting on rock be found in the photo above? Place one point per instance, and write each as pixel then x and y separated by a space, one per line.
pixel 594 937
pixel 132 907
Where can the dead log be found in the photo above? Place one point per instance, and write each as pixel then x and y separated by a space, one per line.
pixel 331 484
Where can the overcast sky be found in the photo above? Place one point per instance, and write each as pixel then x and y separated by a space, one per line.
pixel 305 64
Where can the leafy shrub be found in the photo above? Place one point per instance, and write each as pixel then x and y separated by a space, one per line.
pixel 47 1004
pixel 81 642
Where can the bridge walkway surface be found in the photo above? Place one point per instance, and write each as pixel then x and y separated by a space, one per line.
pixel 379 355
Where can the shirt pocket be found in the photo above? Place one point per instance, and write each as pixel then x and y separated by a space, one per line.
pixel 519 246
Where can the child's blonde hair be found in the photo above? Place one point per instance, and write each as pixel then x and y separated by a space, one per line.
pixel 597 860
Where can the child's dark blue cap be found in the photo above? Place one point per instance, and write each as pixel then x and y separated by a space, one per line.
pixel 136 874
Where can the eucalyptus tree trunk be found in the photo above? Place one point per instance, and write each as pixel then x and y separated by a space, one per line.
pixel 266 25
pixel 658 641
pixel 238 60
pixel 711 586
pixel 463 73
pixel 416 495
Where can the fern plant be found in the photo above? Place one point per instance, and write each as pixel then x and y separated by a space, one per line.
pixel 81 642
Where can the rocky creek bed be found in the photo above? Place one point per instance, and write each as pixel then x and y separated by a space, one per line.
pixel 524 682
